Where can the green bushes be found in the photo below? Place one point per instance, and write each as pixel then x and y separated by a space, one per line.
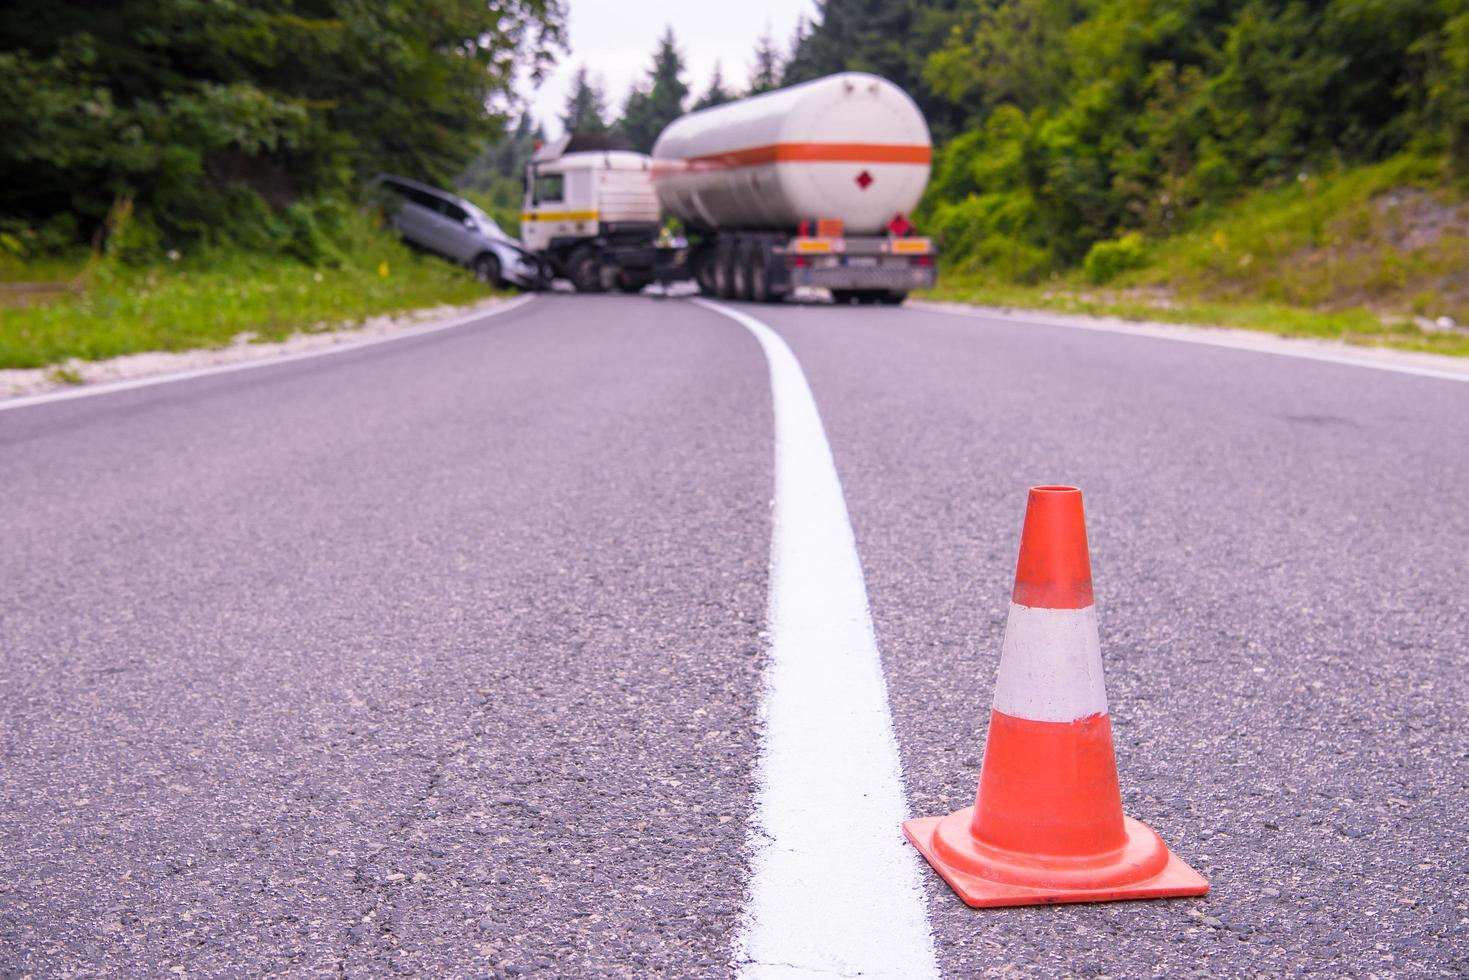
pixel 217 120
pixel 208 295
pixel 1088 120
pixel 1367 254
pixel 1108 260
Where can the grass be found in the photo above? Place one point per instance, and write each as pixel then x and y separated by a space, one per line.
pixel 208 299
pixel 1362 256
pixel 1353 326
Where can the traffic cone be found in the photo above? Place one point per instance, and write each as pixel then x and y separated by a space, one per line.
pixel 1047 824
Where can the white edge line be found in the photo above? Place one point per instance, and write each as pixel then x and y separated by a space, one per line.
pixel 834 888
pixel 113 387
pixel 1183 333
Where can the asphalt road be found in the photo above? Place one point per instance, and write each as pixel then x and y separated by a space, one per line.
pixel 444 657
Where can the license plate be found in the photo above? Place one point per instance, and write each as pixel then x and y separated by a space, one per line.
pixel 862 261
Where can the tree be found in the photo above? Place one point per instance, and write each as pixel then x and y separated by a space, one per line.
pixel 586 107
pixel 769 69
pixel 496 178
pixel 208 115
pixel 716 94
pixel 891 38
pixel 659 100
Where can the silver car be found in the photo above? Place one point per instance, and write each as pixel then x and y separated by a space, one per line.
pixel 457 230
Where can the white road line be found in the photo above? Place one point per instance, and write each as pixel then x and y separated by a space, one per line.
pixel 113 387
pixel 1233 339
pixel 834 887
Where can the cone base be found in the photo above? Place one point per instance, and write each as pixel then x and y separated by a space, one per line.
pixel 1175 880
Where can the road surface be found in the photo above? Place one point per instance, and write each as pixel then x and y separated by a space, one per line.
pixel 446 656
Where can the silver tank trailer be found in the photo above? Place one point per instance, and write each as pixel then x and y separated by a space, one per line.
pixel 852 147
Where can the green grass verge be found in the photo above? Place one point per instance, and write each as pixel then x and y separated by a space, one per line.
pixel 1353 326
pixel 209 299
pixel 1353 256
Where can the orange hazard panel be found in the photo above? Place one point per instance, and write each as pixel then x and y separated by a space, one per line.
pixel 830 228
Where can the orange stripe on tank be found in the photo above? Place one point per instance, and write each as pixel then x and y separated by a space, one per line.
pixel 756 156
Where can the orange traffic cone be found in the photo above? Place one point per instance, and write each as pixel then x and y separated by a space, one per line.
pixel 1047 823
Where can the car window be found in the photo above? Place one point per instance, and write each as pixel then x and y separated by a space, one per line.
pixel 423 199
pixel 452 211
pixel 486 223
pixel 550 188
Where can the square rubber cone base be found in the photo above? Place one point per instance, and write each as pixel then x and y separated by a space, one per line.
pixel 1176 880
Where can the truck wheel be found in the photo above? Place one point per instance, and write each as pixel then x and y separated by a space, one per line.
pixel 585 271
pixel 631 284
pixel 757 274
pixel 724 272
pixel 486 269
pixel 740 273
pixel 704 271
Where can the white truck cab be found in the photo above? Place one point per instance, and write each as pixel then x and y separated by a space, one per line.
pixel 582 208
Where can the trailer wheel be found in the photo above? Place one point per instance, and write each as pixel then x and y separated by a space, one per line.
pixel 758 273
pixel 842 297
pixel 585 271
pixel 723 271
pixel 704 270
pixel 893 299
pixel 740 269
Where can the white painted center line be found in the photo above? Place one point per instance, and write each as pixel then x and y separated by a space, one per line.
pixel 834 888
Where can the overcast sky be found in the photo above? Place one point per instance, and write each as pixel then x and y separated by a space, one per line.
pixel 616 38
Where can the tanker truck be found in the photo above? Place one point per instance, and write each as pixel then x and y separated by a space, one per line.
pixel 807 186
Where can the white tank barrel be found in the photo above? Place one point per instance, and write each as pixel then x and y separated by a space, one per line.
pixel 852 147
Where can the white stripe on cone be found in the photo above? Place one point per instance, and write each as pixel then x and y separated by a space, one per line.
pixel 1051 665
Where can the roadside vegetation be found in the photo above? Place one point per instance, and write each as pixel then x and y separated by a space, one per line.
pixel 1370 255
pixel 98 308
pixel 175 173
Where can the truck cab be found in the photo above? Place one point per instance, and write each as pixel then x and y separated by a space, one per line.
pixel 593 215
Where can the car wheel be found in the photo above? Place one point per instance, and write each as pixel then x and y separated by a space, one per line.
pixel 487 269
pixel 585 271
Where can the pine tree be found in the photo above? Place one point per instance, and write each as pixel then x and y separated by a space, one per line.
pixel 658 101
pixel 586 107
pixel 717 94
pixel 891 38
pixel 769 68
